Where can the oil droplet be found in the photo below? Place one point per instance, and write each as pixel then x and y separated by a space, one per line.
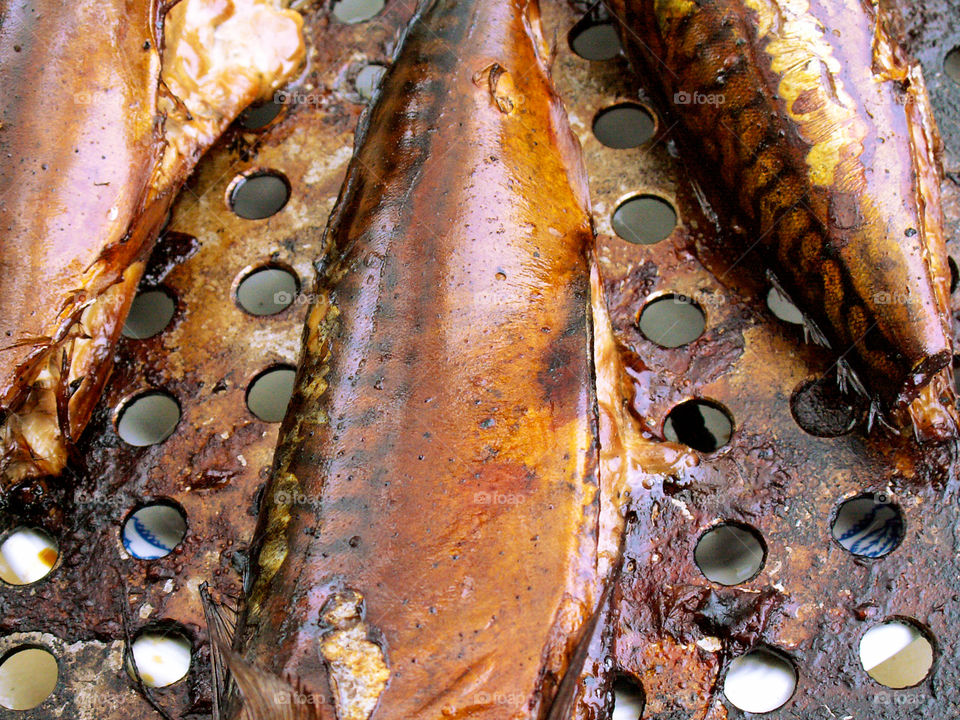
pixel 501 275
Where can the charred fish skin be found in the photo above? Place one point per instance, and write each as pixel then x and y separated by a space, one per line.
pixel 817 130
pixel 438 462
pixel 94 159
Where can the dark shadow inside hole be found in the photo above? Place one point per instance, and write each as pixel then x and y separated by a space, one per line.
pixel 259 196
pixel 954 274
pixel 261 115
pixel 869 525
pixel 699 424
pixel 629 699
pixel 821 409
pixel 625 125
pixel 594 36
pixel 644 219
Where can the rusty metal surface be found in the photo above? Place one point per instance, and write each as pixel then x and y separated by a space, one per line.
pixel 812 599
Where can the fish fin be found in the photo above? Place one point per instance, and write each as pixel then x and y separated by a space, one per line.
pixel 848 380
pixel 810 330
pixel 563 702
pixel 877 415
pixel 267 697
pixel 221 626
pixel 241 690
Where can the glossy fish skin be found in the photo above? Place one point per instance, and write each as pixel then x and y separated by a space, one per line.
pixel 98 133
pixel 79 150
pixel 818 135
pixel 435 487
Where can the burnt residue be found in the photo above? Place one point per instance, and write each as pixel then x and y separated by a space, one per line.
pixel 172 249
pixel 821 408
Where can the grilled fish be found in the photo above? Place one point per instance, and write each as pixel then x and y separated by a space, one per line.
pixel 101 126
pixel 428 541
pixel 822 145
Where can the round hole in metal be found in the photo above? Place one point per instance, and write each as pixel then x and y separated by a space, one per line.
pixel 593 40
pixel 644 219
pixel 672 320
pixel 150 313
pixel 730 553
pixel 269 393
pixel 27 555
pixel 357 11
pixel 259 195
pixel 628 699
pixel 951 64
pixel 869 525
pixel 625 125
pixel 821 409
pixel 259 116
pixel 367 80
pixel 782 308
pixel 28 676
pixel 148 418
pixel 760 681
pixel 153 531
pixel 896 654
pixel 162 655
pixel 267 290
pixel 700 424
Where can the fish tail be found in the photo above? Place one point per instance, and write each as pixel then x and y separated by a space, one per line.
pixel 241 689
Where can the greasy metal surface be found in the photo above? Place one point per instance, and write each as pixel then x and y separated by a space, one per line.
pixel 812 599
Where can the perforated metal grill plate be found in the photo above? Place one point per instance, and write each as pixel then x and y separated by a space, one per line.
pixel 812 599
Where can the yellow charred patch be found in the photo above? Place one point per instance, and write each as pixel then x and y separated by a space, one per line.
pixel 358 668
pixel 812 89
pixel 274 549
pixel 673 9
